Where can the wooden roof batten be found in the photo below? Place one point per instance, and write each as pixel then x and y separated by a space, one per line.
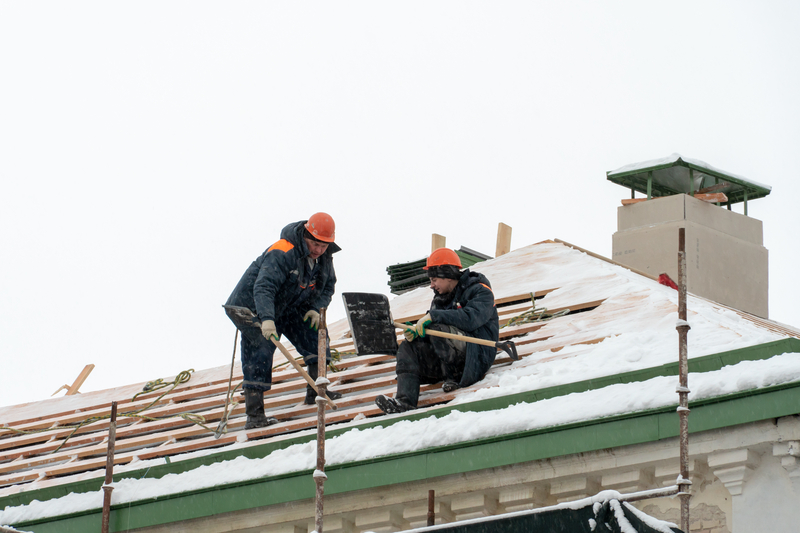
pixel 25 458
pixel 25 464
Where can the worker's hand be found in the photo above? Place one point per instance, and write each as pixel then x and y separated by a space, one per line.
pixel 268 329
pixel 313 316
pixel 423 323
pixel 410 333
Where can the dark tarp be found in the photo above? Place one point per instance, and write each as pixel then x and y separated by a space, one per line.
pixel 611 516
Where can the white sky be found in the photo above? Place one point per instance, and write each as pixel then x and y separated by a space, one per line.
pixel 150 151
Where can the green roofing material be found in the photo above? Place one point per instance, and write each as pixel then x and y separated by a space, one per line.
pixel 679 175
pixel 501 450
pixel 407 276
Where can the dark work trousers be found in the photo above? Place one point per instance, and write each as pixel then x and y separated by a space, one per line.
pixel 428 359
pixel 257 351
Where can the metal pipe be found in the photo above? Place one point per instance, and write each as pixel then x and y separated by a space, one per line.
pixel 683 387
pixel 431 511
pixel 648 494
pixel 322 391
pixel 107 488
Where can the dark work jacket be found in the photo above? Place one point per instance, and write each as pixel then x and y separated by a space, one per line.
pixel 472 310
pixel 281 278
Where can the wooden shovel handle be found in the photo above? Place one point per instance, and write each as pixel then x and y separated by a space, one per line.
pixel 300 370
pixel 435 333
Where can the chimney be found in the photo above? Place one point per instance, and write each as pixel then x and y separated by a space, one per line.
pixel 725 256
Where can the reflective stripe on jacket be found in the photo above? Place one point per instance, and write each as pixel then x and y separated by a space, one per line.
pixel 282 277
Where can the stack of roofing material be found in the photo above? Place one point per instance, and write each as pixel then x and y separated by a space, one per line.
pixel 408 276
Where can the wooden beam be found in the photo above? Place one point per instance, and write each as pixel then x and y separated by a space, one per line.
pixel 630 201
pixel 437 241
pixel 503 240
pixel 80 379
pixel 712 198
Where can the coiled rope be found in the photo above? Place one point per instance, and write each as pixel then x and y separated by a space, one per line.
pixel 150 386
pixel 533 315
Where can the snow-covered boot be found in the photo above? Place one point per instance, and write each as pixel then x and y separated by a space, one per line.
pixel 406 397
pixel 311 394
pixel 390 405
pixel 254 408
pixel 449 386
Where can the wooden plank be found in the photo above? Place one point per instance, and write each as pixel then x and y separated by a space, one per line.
pixel 437 241
pixel 631 201
pixel 289 375
pixel 572 308
pixel 713 198
pixel 503 245
pixel 80 379
pixel 718 197
pixel 361 382
pixel 277 398
pixel 591 341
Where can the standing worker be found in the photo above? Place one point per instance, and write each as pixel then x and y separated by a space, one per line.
pixel 463 304
pixel 284 288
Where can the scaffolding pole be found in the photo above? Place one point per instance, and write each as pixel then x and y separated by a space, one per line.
pixel 322 393
pixel 107 486
pixel 683 386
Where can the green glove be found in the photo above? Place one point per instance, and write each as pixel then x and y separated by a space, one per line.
pixel 268 329
pixel 313 316
pixel 423 323
pixel 410 334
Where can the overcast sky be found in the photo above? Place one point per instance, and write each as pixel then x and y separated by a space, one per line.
pixel 149 151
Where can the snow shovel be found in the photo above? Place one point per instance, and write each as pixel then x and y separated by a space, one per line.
pixel 373 328
pixel 370 320
pixel 252 320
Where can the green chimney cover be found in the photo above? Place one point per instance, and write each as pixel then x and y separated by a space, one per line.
pixel 680 175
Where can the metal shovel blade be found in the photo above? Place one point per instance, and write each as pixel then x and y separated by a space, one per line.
pixel 510 348
pixel 370 319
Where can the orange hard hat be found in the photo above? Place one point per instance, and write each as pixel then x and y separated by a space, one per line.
pixel 321 226
pixel 441 257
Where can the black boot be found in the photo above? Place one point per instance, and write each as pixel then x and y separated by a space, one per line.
pixel 406 397
pixel 449 386
pixel 390 405
pixel 311 394
pixel 254 408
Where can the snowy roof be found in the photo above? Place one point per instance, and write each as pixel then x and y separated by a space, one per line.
pixel 611 355
pixel 676 174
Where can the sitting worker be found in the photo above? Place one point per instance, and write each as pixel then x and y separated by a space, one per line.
pixel 284 288
pixel 463 304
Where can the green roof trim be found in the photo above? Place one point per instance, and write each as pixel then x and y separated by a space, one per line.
pixel 611 432
pixel 614 431
pixel 679 175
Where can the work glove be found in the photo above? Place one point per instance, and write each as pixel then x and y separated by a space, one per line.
pixel 313 316
pixel 268 329
pixel 410 333
pixel 423 323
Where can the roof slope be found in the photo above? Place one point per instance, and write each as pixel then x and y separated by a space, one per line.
pixel 619 322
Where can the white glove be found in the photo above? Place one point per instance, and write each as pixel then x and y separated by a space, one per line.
pixel 410 334
pixel 423 323
pixel 268 329
pixel 313 316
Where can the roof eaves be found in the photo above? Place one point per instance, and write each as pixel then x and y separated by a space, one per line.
pixel 701 364
pixel 580 437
